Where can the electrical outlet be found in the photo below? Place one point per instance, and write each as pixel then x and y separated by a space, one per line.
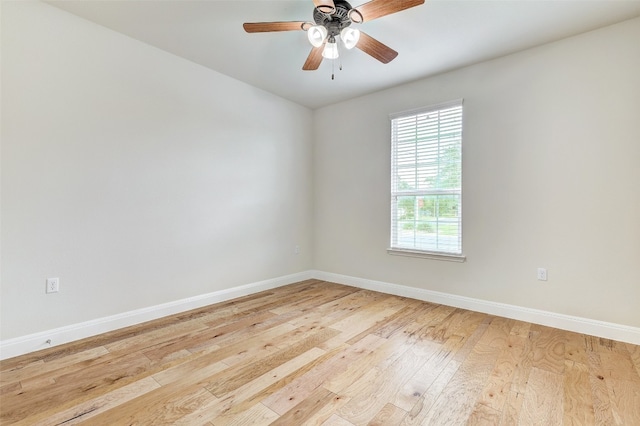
pixel 542 274
pixel 296 250
pixel 53 285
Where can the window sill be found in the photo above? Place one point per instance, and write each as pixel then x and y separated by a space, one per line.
pixel 427 255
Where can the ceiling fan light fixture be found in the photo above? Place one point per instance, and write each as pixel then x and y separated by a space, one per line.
pixel 316 35
pixel 330 20
pixel 350 37
pixel 330 49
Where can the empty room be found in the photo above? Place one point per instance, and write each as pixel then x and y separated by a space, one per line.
pixel 320 212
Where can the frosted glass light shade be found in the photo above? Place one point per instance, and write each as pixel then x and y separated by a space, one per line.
pixel 330 50
pixel 350 37
pixel 316 35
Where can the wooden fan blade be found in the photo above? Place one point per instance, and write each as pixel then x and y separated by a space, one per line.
pixel 325 6
pixel 314 59
pixel 265 27
pixel 376 49
pixel 377 8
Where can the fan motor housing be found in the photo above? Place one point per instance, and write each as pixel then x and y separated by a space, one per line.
pixel 335 22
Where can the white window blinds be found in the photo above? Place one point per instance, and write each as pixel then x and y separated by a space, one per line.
pixel 426 179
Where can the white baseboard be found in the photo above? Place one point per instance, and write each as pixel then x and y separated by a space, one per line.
pixel 591 327
pixel 33 342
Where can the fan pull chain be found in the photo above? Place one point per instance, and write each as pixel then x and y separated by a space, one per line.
pixel 333 62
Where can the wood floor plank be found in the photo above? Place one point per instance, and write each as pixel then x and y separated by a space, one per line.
pixel 511 409
pixel 289 396
pixel 387 353
pixel 236 377
pixel 312 299
pixel 402 318
pixel 201 414
pixel 257 390
pixel 74 388
pixel 576 348
pixel 168 403
pixel 457 400
pixel 459 348
pixel 172 410
pixel 12 388
pixel 156 337
pixel 440 331
pixel 599 391
pixel 618 366
pixel 206 364
pixel 496 390
pixel 212 335
pixel 634 353
pixel 89 409
pixel 372 391
pixel 227 334
pixel 483 415
pixel 365 319
pixel 523 368
pixel 418 385
pixel 394 321
pixel 320 353
pixel 301 412
pixel 577 404
pixel 201 360
pixel 543 401
pixel 549 350
pixel 335 310
pixel 428 318
pixel 497 333
pixel 384 356
pixel 336 420
pixel 625 401
pixel 278 301
pixel 43 368
pixel 256 415
pixel 325 413
pixel 600 345
pixel 388 415
pixel 520 328
pixel 269 342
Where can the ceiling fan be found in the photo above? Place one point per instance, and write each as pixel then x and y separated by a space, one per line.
pixel 332 22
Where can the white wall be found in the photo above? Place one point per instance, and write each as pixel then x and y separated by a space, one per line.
pixel 140 178
pixel 551 178
pixel 137 177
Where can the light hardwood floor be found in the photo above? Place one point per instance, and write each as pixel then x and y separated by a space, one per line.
pixel 319 353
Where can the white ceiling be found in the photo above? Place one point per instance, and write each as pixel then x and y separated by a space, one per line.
pixel 438 36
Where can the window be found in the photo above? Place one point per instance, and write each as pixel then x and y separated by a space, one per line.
pixel 426 182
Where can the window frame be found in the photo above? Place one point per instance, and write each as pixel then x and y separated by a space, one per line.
pixel 395 248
